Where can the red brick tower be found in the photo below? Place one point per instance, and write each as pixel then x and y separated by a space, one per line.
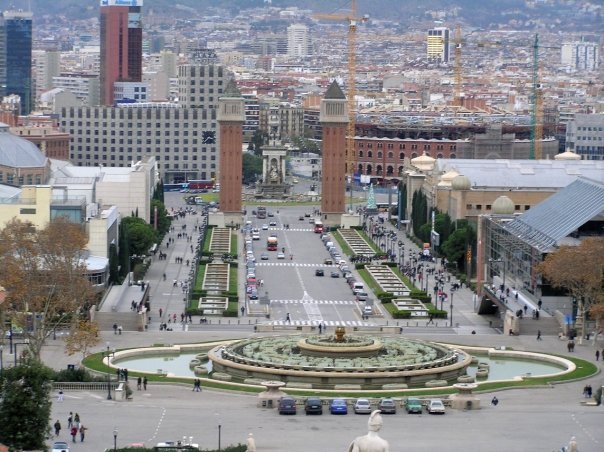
pixel 231 116
pixel 334 117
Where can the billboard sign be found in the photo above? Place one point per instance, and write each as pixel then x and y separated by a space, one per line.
pixel 121 2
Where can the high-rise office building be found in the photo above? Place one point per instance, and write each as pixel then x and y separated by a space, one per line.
pixel 16 57
pixel 121 44
pixel 438 44
pixel 47 65
pixel 297 40
pixel 202 81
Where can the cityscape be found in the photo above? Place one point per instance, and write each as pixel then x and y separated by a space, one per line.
pixel 289 208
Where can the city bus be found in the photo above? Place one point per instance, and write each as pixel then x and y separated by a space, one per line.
pixel 272 243
pixel 319 227
pixel 176 187
pixel 200 184
pixel 261 212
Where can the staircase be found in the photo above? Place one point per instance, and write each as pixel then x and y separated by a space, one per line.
pixel 129 321
pixel 548 326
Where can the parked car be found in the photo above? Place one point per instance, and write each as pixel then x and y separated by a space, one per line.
pixel 362 296
pixel 301 218
pixel 387 406
pixel 367 310
pixel 413 405
pixel 272 223
pixel 362 406
pixel 319 272
pixel 265 227
pixel 328 261
pixel 287 405
pixel 436 406
pixel 254 294
pixel 270 214
pixel 338 406
pixel 60 446
pixel 313 405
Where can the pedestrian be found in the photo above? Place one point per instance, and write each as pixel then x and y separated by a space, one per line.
pixel 243 313
pixel 57 428
pixel 82 432
pixel 539 303
pixel 70 420
pixel 598 355
pixel 538 335
pixel 161 311
pixel 74 432
pixel 139 383
pixel 320 328
pixel 76 420
pixel 589 391
pixel 145 383
pixel 494 401
pixel 119 330
pixel 60 397
pixel 115 328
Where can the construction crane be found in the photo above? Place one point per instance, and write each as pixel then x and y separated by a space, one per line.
pixel 352 20
pixel 537 103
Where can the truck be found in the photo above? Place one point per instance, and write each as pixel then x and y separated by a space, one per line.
pixel 261 212
pixel 272 243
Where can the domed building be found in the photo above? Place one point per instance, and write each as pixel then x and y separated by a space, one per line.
pixel 21 162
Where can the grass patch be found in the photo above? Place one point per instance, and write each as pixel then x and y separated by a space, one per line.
pixel 234 238
pixel 201 271
pixel 207 240
pixel 233 279
pixel 345 248
pixel 373 285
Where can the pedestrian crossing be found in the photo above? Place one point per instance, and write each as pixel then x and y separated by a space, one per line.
pixel 330 302
pixel 325 323
pixel 289 264
pixel 291 229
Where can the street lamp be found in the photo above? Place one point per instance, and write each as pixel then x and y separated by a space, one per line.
pixel 108 354
pixel 115 439
pixel 451 311
pixel 1 362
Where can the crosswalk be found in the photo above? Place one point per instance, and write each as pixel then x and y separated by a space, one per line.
pixel 289 264
pixel 326 323
pixel 291 229
pixel 330 302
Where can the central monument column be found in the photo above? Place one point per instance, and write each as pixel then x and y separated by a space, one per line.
pixel 334 118
pixel 231 116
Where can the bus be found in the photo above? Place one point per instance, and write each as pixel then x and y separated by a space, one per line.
pixel 319 227
pixel 200 184
pixel 261 212
pixel 176 187
pixel 272 243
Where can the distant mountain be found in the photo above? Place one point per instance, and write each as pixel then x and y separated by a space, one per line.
pixel 519 14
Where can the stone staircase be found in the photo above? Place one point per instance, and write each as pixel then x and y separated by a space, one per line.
pixel 129 321
pixel 549 326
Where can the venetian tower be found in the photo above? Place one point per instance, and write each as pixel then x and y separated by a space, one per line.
pixel 334 118
pixel 231 116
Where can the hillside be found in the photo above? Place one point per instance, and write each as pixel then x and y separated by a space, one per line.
pixel 519 14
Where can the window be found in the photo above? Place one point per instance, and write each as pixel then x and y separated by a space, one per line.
pixel 379 154
pixel 401 156
pixel 526 207
pixel 360 153
pixel 478 206
pixel 369 154
pixel 390 155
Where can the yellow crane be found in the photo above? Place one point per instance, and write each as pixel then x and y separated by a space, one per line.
pixel 352 20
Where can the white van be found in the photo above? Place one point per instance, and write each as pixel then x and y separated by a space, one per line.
pixel 358 287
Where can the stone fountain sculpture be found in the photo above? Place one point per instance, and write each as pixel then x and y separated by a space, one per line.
pixel 371 442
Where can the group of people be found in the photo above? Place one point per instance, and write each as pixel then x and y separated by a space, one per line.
pixel 141 383
pixel 74 425
pixel 197 385
pixel 587 392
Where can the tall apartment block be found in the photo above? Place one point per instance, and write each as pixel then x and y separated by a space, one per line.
pixel 581 56
pixel 438 44
pixel 298 42
pixel 16 57
pixel 121 45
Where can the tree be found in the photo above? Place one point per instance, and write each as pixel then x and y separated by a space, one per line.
pixel 83 336
pixel 44 274
pixel 251 167
pixel 25 406
pixel 257 141
pixel 113 264
pixel 140 235
pixel 579 270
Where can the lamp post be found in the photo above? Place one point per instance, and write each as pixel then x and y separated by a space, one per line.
pixel 109 378
pixel 1 361
pixel 219 428
pixel 115 439
pixel 451 310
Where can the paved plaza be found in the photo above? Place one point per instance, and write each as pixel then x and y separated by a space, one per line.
pixel 541 419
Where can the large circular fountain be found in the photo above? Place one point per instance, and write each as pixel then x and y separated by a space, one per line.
pixel 327 362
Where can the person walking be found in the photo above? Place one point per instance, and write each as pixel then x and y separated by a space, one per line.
pixel 145 383
pixel 73 432
pixel 82 432
pixel 60 396
pixel 76 421
pixel 139 383
pixel 57 428
pixel 598 355
pixel 70 420
pixel 539 335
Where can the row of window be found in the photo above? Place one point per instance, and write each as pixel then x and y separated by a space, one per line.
pixel 95 161
pixel 588 138
pixel 28 179
pixel 427 146
pixel 167 125
pixel 137 113
pixel 139 141
pixel 590 129
pixel 148 150
pixel 401 155
pixel 517 207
